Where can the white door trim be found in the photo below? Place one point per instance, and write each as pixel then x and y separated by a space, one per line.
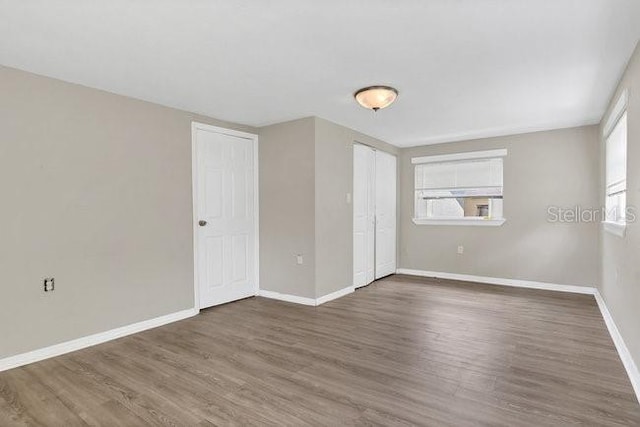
pixel 194 193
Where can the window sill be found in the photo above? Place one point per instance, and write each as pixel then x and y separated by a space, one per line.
pixel 615 228
pixel 479 222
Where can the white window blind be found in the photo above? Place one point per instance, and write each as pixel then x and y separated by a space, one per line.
pixel 474 176
pixel 460 188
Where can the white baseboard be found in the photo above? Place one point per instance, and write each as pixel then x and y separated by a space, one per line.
pixel 621 347
pixel 101 337
pixel 314 302
pixel 287 297
pixel 623 350
pixel 91 340
pixel 499 281
pixel 335 295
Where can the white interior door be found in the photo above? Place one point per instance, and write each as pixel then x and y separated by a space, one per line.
pixel 225 215
pixel 363 215
pixel 385 190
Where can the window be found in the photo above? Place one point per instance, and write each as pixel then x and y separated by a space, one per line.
pixel 464 188
pixel 616 168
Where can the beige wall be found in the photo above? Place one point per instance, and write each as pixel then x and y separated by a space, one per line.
pixel 306 171
pixel 96 191
pixel 620 283
pixel 334 216
pixel 554 168
pixel 99 187
pixel 287 207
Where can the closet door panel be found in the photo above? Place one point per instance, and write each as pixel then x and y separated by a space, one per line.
pixel 385 205
pixel 363 215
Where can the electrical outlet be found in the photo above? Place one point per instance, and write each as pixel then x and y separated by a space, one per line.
pixel 299 260
pixel 49 284
pixel 348 198
pixel 460 250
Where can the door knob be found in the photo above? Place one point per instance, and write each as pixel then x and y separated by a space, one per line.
pixel 202 223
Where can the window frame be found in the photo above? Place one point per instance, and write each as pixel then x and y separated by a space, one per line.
pixel 458 157
pixel 619 110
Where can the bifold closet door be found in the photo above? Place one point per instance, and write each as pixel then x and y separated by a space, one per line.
pixel 363 215
pixel 385 214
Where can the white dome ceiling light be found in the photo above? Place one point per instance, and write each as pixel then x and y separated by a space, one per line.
pixel 376 97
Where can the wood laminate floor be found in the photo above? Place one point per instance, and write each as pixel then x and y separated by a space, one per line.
pixel 403 351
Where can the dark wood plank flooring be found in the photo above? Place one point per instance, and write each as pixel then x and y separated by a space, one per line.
pixel 403 351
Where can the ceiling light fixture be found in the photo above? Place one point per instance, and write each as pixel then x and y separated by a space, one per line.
pixel 376 97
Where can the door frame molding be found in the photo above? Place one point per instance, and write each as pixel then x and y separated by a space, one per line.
pixel 195 126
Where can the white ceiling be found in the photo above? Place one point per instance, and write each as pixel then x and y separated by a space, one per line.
pixel 464 68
